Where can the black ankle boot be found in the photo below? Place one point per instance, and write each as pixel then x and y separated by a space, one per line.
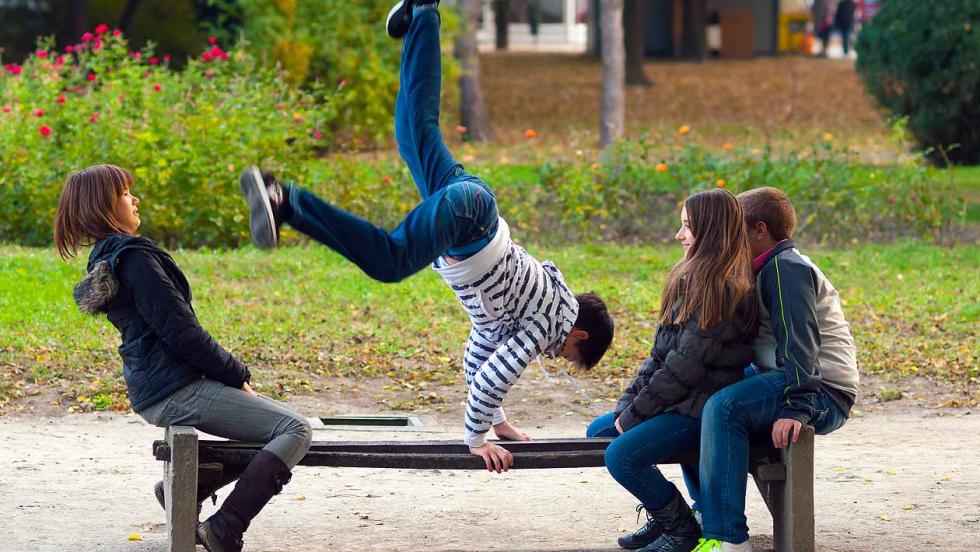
pixel 680 530
pixel 262 479
pixel 643 536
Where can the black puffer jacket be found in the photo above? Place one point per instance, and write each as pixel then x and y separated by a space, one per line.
pixel 147 298
pixel 687 365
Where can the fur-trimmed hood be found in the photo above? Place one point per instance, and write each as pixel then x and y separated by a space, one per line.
pixel 100 285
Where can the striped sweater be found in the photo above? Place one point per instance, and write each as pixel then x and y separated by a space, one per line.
pixel 520 308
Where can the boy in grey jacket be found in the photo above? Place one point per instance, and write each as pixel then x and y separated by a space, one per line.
pixel 805 370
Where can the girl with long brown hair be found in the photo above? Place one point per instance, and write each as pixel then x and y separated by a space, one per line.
pixel 175 372
pixel 708 319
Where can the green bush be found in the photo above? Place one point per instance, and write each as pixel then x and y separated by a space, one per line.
pixel 342 45
pixel 185 134
pixel 920 60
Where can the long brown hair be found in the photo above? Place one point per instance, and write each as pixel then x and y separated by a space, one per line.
pixel 716 273
pixel 86 208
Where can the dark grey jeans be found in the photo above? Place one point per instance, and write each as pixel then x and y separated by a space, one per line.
pixel 223 411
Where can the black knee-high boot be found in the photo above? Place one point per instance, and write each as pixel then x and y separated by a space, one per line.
pixel 262 479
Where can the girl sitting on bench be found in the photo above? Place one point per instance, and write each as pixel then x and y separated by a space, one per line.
pixel 176 373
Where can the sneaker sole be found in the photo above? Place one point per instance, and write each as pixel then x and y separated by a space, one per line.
pixel 392 26
pixel 261 223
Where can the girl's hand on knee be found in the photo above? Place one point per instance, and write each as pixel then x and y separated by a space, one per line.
pixel 248 389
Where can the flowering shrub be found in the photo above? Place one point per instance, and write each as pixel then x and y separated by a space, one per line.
pixel 185 134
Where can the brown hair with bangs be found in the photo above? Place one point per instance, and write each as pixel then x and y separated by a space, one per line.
pixel 86 208
pixel 716 273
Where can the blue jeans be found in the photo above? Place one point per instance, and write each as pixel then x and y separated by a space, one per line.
pixel 632 457
pixel 732 417
pixel 458 212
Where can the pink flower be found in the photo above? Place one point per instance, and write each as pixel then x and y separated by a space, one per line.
pixel 7 109
pixel 90 76
pixel 42 53
pixel 136 55
pixel 98 44
pixel 39 112
pixel 45 130
pixel 12 68
pixel 154 61
pixel 87 36
pixel 146 75
pixel 156 87
pixel 69 49
pixel 166 58
pixel 121 98
pixel 224 56
pixel 317 135
pixel 95 117
pixel 343 83
pixel 61 99
pixel 206 56
pixel 209 73
pixel 116 32
pixel 59 60
pixel 102 28
pixel 212 40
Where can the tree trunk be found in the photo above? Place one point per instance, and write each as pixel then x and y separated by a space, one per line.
pixel 613 104
pixel 694 39
pixel 77 19
pixel 473 113
pixel 127 15
pixel 634 25
pixel 501 16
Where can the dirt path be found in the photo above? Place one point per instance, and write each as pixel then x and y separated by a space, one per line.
pixel 82 482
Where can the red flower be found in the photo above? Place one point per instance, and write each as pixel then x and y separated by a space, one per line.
pixel 101 29
pixel 343 83
pixel 156 87
pixel 318 135
pixel 61 99
pixel 224 56
pixel 95 117
pixel 212 40
pixel 206 56
pixel 216 51
pixel 12 68
pixel 6 109
pixel 166 58
pixel 98 44
pixel 87 36
pixel 42 53
pixel 116 32
pixel 39 112
pixel 154 61
pixel 146 75
pixel 90 76
pixel 121 98
pixel 45 130
pixel 69 48
pixel 209 73
pixel 59 60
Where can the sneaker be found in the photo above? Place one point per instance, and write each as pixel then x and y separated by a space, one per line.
pixel 265 200
pixel 399 19
pixel 712 545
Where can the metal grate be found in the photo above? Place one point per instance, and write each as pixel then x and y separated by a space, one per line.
pixel 372 421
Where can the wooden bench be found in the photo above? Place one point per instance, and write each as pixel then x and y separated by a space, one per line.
pixel 784 478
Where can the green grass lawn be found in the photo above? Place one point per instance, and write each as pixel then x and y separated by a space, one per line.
pixel 299 314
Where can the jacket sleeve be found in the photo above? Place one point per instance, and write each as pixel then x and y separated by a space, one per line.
pixel 789 292
pixel 635 386
pixel 683 369
pixel 164 308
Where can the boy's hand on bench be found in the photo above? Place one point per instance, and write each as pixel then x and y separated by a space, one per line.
pixel 498 459
pixel 783 430
pixel 507 432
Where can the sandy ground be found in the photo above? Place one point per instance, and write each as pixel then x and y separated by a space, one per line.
pixel 901 478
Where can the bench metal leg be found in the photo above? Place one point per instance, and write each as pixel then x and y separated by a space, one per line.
pixel 180 488
pixel 792 509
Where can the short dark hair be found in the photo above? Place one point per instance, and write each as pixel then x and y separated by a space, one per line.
pixel 593 317
pixel 771 206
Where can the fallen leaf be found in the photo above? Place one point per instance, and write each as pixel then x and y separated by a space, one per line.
pixel 135 537
pixel 885 518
